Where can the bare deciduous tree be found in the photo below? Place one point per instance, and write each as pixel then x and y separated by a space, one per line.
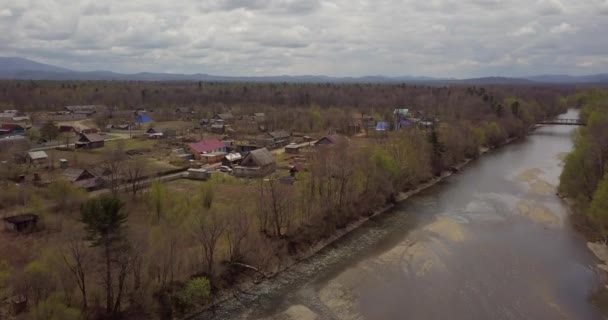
pixel 76 259
pixel 238 227
pixel 134 170
pixel 275 207
pixel 211 227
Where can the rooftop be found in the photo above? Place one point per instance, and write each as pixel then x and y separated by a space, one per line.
pixel 205 146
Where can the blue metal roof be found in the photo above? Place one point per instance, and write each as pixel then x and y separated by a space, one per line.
pixel 144 118
pixel 382 126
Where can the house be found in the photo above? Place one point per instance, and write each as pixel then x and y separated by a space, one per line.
pixel 21 118
pixel 76 175
pixel 218 128
pixel 67 128
pixel 257 164
pixel 353 128
pixel 21 222
pixel 212 157
pixel 206 146
pixel 403 123
pixel 8 115
pixel 11 129
pixel 90 141
pixel 258 117
pixel 292 148
pixel 383 126
pixel 227 116
pixel 90 109
pixel 183 111
pixel 143 118
pixel 89 130
pixel 204 122
pixel 37 157
pixel 231 159
pixel 276 138
pixel 81 178
pixel 401 113
pixel 245 148
pixel 330 140
pixel 155 132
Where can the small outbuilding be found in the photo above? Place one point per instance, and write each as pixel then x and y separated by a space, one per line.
pixel 198 174
pixel 292 148
pixel 21 222
pixel 232 159
pixel 37 157
pixel 218 128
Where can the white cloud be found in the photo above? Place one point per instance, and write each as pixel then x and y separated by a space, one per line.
pixel 6 13
pixel 550 7
pixel 526 30
pixel 563 28
pixel 334 37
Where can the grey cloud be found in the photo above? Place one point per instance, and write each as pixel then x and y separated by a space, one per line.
pixel 335 37
pixel 95 8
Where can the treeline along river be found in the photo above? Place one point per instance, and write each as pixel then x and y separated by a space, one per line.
pixel 491 242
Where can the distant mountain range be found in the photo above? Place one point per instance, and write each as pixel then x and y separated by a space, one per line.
pixel 15 68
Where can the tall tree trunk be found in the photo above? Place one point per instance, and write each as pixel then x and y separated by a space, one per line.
pixel 109 295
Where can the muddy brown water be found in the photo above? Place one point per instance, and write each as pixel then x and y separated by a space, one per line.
pixel 492 242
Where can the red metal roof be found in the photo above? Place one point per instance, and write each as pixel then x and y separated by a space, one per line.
pixel 10 126
pixel 206 146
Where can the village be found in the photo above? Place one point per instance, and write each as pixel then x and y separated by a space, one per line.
pixel 69 145
pixel 52 162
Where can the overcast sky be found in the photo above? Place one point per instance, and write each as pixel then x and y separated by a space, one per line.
pixel 459 38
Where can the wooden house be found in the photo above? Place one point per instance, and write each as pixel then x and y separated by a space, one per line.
pixel 330 140
pixel 257 164
pixel 81 178
pixel 90 141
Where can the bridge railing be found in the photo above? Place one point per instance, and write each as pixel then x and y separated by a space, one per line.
pixel 573 122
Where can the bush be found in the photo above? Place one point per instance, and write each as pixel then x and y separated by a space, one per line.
pixel 195 292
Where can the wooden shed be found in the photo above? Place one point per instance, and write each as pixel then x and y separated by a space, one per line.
pixel 21 222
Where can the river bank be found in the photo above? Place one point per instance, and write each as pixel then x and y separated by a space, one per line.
pixel 243 287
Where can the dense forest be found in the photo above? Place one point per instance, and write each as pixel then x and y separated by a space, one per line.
pixel 585 175
pixel 162 253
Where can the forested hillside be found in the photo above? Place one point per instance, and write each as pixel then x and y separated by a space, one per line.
pixel 585 175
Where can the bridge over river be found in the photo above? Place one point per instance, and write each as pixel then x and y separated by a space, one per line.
pixel 564 122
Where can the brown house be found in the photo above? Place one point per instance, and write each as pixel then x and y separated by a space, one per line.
pixel 257 164
pixel 90 141
pixel 81 178
pixel 331 140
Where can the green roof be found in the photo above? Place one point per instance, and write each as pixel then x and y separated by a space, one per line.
pixel 401 112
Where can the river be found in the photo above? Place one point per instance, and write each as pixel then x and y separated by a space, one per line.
pixel 491 242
